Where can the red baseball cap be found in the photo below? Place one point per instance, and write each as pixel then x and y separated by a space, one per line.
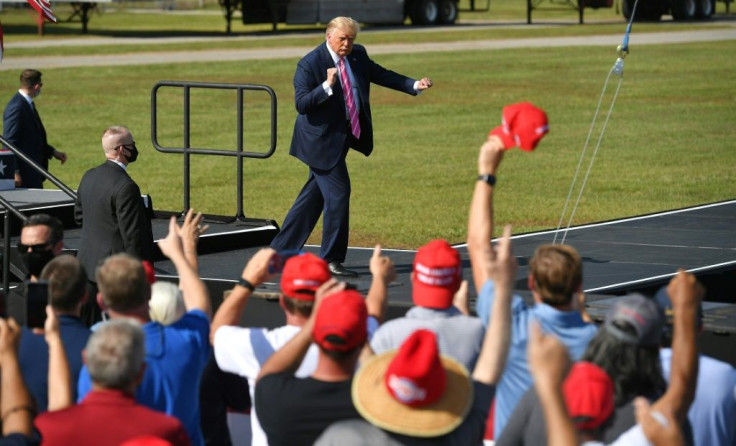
pixel 588 392
pixel 340 324
pixel 437 275
pixel 523 125
pixel 302 275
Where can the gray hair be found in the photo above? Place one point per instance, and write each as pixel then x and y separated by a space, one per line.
pixel 115 353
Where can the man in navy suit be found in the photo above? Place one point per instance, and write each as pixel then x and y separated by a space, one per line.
pixel 332 94
pixel 23 128
pixel 111 211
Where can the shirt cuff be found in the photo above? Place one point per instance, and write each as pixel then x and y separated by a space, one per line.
pixel 327 88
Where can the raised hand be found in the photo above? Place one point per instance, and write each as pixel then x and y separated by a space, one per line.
pixel 256 270
pixel 331 76
pixel 425 83
pixel 382 266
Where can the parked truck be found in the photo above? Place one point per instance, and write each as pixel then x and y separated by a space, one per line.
pixel 420 12
pixel 680 9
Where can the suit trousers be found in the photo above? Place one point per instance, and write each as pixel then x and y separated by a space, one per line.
pixel 326 192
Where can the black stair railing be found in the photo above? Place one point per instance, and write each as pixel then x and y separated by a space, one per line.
pixel 187 150
pixel 17 213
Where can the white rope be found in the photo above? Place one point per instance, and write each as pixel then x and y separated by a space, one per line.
pixel 617 69
pixel 580 161
pixel 592 160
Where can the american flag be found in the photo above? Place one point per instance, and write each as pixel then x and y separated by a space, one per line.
pixel 44 9
pixel 7 169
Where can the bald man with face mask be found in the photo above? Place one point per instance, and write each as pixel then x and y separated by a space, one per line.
pixel 111 211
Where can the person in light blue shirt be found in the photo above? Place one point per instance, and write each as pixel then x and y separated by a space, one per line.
pixel 555 279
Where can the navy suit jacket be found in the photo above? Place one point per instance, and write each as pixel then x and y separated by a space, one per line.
pixel 110 209
pixel 320 130
pixel 26 132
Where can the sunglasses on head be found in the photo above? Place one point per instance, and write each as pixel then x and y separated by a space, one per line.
pixel 40 247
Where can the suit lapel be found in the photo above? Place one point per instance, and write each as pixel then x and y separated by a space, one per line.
pixel 37 117
pixel 33 113
pixel 356 66
pixel 358 69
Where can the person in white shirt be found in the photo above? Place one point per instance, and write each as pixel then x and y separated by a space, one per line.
pixel 243 351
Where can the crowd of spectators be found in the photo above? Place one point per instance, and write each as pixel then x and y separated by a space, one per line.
pixel 163 369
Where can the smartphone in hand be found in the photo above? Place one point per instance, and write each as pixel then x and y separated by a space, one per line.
pixel 36 300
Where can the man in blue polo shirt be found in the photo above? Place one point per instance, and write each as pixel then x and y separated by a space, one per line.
pixel 175 354
pixel 555 276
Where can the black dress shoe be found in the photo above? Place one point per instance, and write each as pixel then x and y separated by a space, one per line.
pixel 337 269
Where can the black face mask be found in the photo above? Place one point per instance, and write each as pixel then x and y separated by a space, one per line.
pixel 35 261
pixel 133 154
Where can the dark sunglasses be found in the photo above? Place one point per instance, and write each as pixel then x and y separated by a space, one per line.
pixel 34 248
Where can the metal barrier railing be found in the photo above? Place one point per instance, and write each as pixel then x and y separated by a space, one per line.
pixel 472 6
pixel 6 250
pixel 187 150
pixel 572 4
pixel 63 187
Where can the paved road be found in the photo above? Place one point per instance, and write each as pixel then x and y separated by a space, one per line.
pixel 215 55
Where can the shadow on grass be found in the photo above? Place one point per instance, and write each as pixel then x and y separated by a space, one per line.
pixel 73 28
pixel 69 29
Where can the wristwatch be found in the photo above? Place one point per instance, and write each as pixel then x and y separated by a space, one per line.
pixel 488 178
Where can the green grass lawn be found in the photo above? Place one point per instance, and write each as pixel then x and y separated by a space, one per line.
pixel 669 143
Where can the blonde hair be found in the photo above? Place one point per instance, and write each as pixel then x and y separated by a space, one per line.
pixel 167 304
pixel 343 23
pixel 122 281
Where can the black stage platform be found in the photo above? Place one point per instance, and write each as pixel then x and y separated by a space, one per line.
pixel 618 256
pixel 631 254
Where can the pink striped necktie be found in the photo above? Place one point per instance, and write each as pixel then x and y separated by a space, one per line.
pixel 347 89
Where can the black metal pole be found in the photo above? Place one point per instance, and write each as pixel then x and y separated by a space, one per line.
pixel 240 215
pixel 6 263
pixel 187 146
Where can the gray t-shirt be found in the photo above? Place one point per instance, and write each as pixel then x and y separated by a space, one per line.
pixel 458 336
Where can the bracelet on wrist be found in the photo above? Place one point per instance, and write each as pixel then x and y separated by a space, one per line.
pixel 246 284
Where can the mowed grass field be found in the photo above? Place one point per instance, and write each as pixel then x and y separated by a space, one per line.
pixel 669 143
